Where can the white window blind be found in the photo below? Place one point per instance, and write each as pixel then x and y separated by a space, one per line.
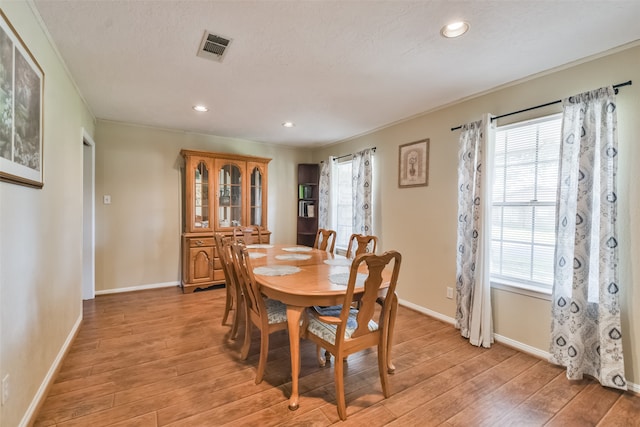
pixel 344 204
pixel 524 202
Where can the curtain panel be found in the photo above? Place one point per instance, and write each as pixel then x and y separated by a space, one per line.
pixel 586 335
pixel 473 287
pixel 324 201
pixel 362 184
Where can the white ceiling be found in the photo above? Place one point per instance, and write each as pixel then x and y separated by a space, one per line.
pixel 336 68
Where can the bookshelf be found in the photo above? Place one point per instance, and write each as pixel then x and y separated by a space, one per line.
pixel 308 178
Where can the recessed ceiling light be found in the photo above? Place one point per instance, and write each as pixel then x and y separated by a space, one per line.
pixel 200 108
pixel 455 29
pixel 288 124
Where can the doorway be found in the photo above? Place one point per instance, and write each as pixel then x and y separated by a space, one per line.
pixel 88 216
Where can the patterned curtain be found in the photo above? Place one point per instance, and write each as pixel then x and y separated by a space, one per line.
pixel 362 180
pixel 473 287
pixel 324 201
pixel 586 335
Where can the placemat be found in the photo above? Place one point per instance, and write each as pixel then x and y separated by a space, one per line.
pixel 276 270
pixel 338 261
pixel 293 256
pixel 298 249
pixel 257 255
pixel 343 279
pixel 259 246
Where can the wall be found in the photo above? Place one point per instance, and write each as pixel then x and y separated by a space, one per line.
pixel 421 222
pixel 41 237
pixel 138 234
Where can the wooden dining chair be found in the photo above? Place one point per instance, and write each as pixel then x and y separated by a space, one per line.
pixel 325 240
pixel 267 314
pixel 234 294
pixel 361 244
pixel 351 329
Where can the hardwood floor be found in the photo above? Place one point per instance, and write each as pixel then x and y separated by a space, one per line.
pixel 160 357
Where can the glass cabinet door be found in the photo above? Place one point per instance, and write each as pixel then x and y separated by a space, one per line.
pixel 230 197
pixel 201 196
pixel 255 189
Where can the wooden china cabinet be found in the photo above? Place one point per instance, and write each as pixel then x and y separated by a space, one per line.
pixel 222 191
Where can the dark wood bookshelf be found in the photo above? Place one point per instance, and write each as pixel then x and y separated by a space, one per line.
pixel 308 191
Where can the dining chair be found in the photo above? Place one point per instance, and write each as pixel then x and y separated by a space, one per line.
pixel 325 240
pixel 267 314
pixel 360 244
pixel 234 294
pixel 349 329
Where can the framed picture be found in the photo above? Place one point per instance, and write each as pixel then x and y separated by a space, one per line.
pixel 21 110
pixel 413 164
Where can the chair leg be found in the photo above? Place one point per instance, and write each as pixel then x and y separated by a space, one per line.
pixel 391 326
pixel 244 352
pixel 339 380
pixel 227 305
pixel 236 318
pixel 321 360
pixel 382 366
pixel 264 352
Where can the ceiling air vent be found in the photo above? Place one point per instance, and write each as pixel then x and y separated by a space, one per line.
pixel 213 46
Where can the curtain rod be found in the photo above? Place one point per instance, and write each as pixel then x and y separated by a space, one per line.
pixel 347 155
pixel 542 105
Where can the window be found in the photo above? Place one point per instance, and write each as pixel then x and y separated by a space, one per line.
pixel 344 204
pixel 524 203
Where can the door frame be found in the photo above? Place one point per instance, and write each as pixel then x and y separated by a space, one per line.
pixel 88 216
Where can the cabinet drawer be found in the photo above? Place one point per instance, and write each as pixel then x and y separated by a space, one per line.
pixel 218 275
pixel 196 242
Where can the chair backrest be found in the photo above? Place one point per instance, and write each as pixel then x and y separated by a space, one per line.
pixel 360 244
pixel 246 280
pixel 372 281
pixel 325 240
pixel 223 246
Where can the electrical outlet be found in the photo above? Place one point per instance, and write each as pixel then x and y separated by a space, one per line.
pixel 5 389
pixel 450 292
pixel 106 199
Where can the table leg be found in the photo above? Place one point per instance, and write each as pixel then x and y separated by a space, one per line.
pixel 294 314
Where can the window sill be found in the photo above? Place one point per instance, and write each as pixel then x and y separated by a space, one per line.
pixel 522 289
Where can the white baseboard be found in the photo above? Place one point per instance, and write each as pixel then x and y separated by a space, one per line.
pixel 525 348
pixel 29 415
pixel 137 288
pixel 426 311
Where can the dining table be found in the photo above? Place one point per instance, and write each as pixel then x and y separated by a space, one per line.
pixel 301 277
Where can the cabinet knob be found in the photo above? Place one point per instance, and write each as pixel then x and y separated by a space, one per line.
pixel 199 242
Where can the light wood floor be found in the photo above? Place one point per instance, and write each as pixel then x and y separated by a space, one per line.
pixel 161 357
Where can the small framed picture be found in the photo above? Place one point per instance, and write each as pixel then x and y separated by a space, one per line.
pixel 413 164
pixel 21 110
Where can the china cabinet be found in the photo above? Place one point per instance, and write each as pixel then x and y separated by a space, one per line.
pixel 222 191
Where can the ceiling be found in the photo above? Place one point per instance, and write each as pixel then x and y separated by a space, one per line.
pixel 337 69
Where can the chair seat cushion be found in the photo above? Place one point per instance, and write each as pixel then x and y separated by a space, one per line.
pixel 328 332
pixel 276 311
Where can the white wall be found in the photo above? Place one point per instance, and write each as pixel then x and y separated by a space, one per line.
pixel 421 222
pixel 41 237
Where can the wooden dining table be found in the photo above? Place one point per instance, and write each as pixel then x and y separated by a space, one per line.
pixel 314 284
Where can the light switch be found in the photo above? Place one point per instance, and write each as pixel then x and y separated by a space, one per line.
pixel 106 199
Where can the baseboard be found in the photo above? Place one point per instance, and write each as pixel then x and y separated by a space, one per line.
pixel 137 288
pixel 426 311
pixel 29 417
pixel 525 348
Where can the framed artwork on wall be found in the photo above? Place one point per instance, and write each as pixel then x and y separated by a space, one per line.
pixel 21 110
pixel 413 164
